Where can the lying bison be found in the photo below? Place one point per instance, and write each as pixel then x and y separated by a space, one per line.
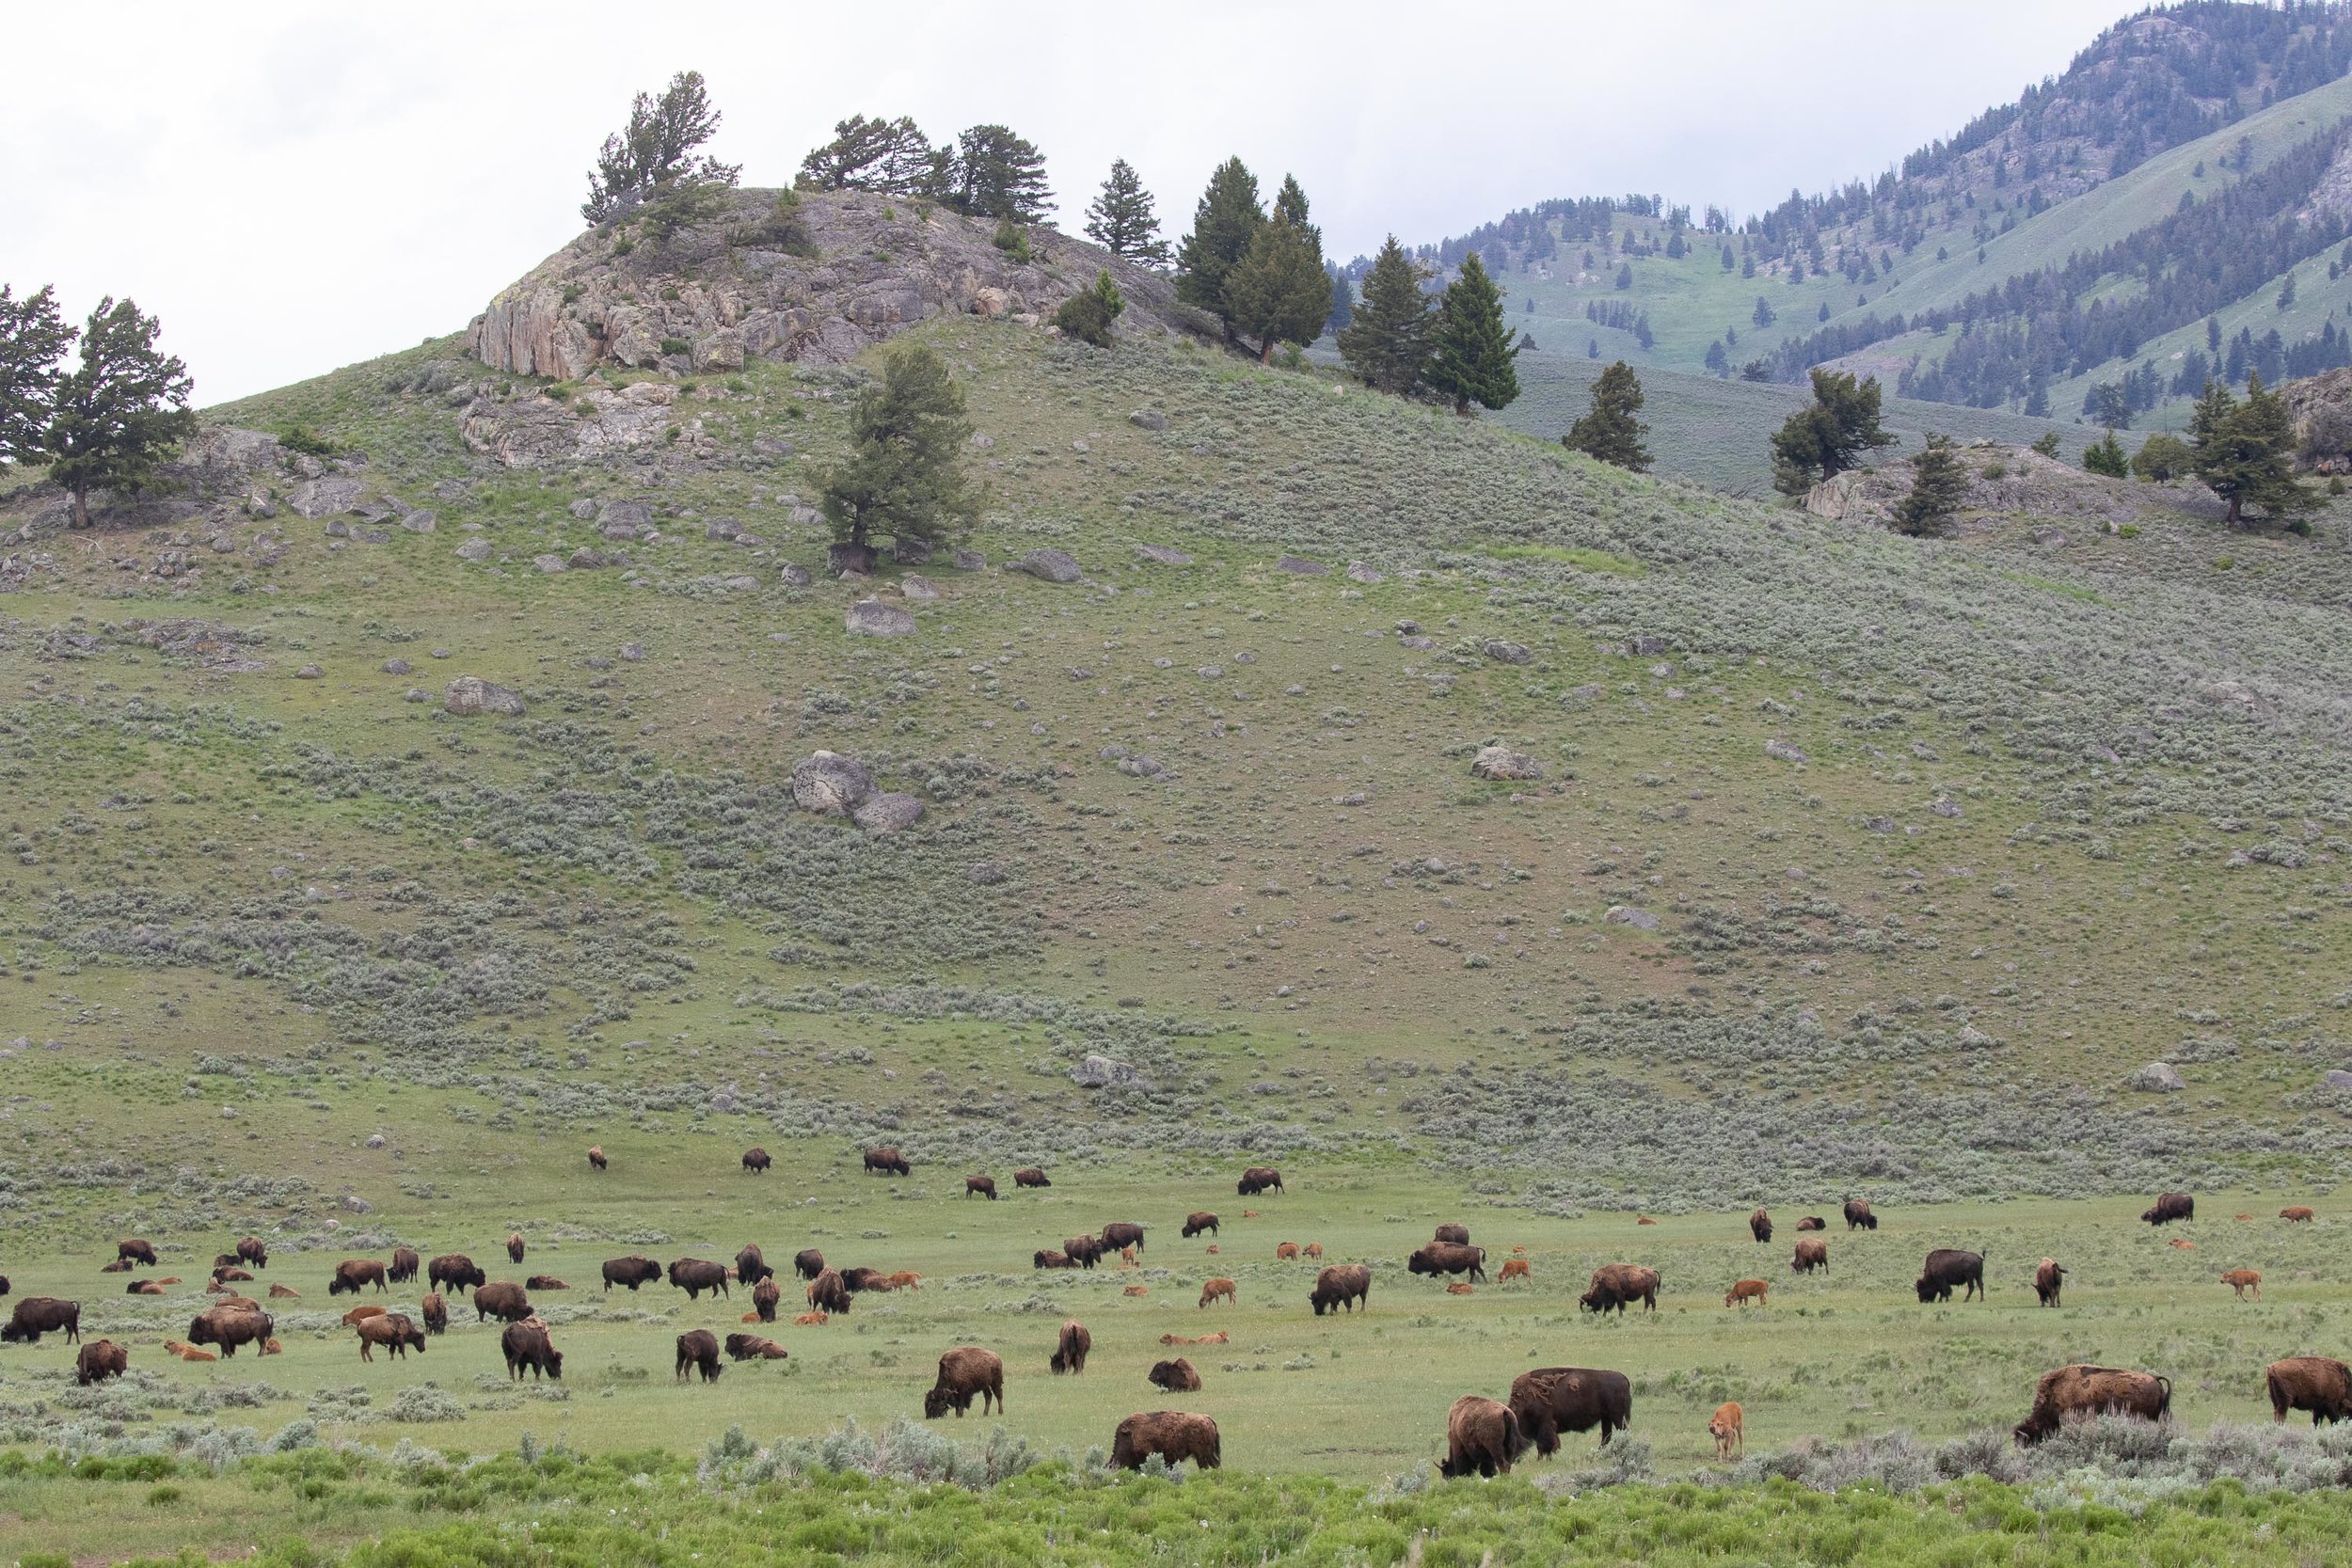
pixel 1812 1222
pixel 38 1315
pixel 697 1275
pixel 2049 1280
pixel 395 1332
pixel 984 1185
pixel 631 1272
pixel 1179 1377
pixel 755 1347
pixel 1482 1438
pixel 1760 1225
pixel 1445 1258
pixel 1858 1215
pixel 2170 1206
pixel 526 1344
pixel 808 1262
pixel 827 1293
pixel 887 1161
pixel 1946 1269
pixel 230 1327
pixel 1070 1354
pixel 756 1160
pixel 698 1351
pixel 1812 1253
pixel 1199 1221
pixel 1552 1400
pixel 1029 1176
pixel 2318 1384
pixel 1341 1285
pixel 502 1299
pixel 1616 1286
pixel 1456 1235
pixel 1047 1258
pixel 452 1272
pixel 405 1265
pixel 1175 1435
pixel 865 1279
pixel 354 1275
pixel 544 1282
pixel 1259 1178
pixel 100 1360
pixel 2084 1391
pixel 964 1374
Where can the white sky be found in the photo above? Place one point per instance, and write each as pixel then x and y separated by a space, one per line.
pixel 295 187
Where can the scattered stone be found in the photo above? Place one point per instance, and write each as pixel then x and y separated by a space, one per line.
pixel 420 522
pixel 396 667
pixel 1142 767
pixel 1785 750
pixel 1942 807
pixel 1145 419
pixel 971 560
pixel 920 589
pixel 1975 1039
pixel 309 673
pixel 1879 824
pixel 2156 1078
pixel 1098 1071
pixel 2336 1078
pixel 377 1140
pixel 911 551
pixel 1625 914
pixel 888 813
pixel 550 565
pixel 1358 571
pixel 632 652
pixel 1162 555
pixel 1419 643
pixel 586 560
pixel 1507 651
pixel 636 516
pixel 354 1204
pixel 987 874
pixel 1645 645
pixel 1299 567
pixel 831 783
pixel 1504 762
pixel 583 509
pixel 721 529
pixel 795 576
pixel 1048 565
pixel 474 550
pixel 873 618
pixel 471 694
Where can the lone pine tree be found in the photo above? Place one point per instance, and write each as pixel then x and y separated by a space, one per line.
pixel 902 476
pixel 1472 357
pixel 1610 431
pixel 1122 220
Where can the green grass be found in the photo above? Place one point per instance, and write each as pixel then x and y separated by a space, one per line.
pixel 1568 555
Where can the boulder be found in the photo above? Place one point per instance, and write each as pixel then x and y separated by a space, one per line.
pixel 636 516
pixel 1302 567
pixel 795 576
pixel 2156 1078
pixel 888 813
pixel 324 498
pixel 1162 555
pixel 1098 1071
pixel 474 550
pixel 911 551
pixel 1505 651
pixel 420 522
pixel 1048 565
pixel 1626 914
pixel 2336 1078
pixel 471 694
pixel 1145 419
pixel 1785 750
pixel 971 560
pixel 584 508
pixel 1504 762
pixel 920 589
pixel 397 667
pixel 873 618
pixel 1358 571
pixel 831 783
pixel 550 565
pixel 586 560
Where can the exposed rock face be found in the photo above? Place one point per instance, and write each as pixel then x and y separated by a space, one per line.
pixel 531 431
pixel 745 286
pixel 1626 914
pixel 2028 483
pixel 471 694
pixel 324 498
pixel 829 783
pixel 1504 762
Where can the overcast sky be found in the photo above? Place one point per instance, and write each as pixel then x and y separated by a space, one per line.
pixel 295 187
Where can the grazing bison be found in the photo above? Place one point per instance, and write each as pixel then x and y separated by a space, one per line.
pixel 136 1250
pixel 1446 1257
pixel 503 1300
pixel 697 1275
pixel 1617 1286
pixel 526 1344
pixel 251 1249
pixel 100 1360
pixel 1341 1285
pixel 1179 1377
pixel 1728 1426
pixel 1029 1176
pixel 1047 1258
pixel 229 1327
pixel 2318 1384
pixel 1552 1400
pixel 353 1275
pixel 1259 1178
pixel 1812 1253
pixel 405 1265
pixel 1516 1268
pixel 984 1185
pixel 1482 1438
pixel 595 1157
pixel 436 1314
pixel 1456 1235
pixel 827 1293
pixel 964 1373
pixel 1212 1289
pixel 751 1264
pixel 2049 1279
pixel 1948 1268
pixel 756 1160
pixel 1070 1354
pixel 544 1282
pixel 2170 1206
pixel 1083 1250
pixel 631 1272
pixel 808 1262
pixel 1197 1221
pixel 764 1298
pixel 1812 1222
pixel 1175 1435
pixel 698 1351
pixel 2244 1281
pixel 887 1161
pixel 2296 1215
pixel 754 1347
pixel 1760 1225
pixel 514 1246
pixel 452 1272
pixel 1120 1234
pixel 395 1332
pixel 2084 1390
pixel 1858 1215
pixel 1746 1290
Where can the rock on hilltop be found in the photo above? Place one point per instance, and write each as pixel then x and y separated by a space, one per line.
pixel 817 280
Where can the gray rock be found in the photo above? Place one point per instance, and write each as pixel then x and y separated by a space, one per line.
pixel 547 563
pixel 971 560
pixel 1507 651
pixel 721 528
pixel 911 551
pixel 1504 762
pixel 1142 767
pixel 1944 808
pixel 309 673
pixel 586 560
pixel 987 874
pixel 474 550
pixel 1645 645
pixel 2156 1078
pixel 632 652
pixel 1145 419
pixel 583 509
pixel 420 522
pixel 1302 567
pixel 873 618
pixel 397 667
pixel 620 533
pixel 1878 824
pixel 1162 555
pixel 377 1140
pixel 354 1204
pixel 795 576
pixel 888 812
pixel 1626 914
pixel 920 589
pixel 324 498
pixel 831 783
pixel 1098 1071
pixel 1358 571
pixel 1973 1038
pixel 471 694
pixel 1785 750
pixel 2336 1078
pixel 1048 565
pixel 630 514
pixel 222 545
pixel 1419 643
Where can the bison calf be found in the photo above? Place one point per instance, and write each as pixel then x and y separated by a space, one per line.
pixel 1746 1290
pixel 1728 1427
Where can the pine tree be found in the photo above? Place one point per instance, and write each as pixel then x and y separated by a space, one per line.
pixel 902 476
pixel 33 339
pixel 1938 485
pixel 1609 431
pixel 890 156
pixel 120 412
pixel 1121 219
pixel 2162 456
pixel 2244 454
pixel 656 150
pixel 995 174
pixel 1470 355
pixel 1087 316
pixel 1278 292
pixel 2105 457
pixel 1342 303
pixel 1224 223
pixel 1824 438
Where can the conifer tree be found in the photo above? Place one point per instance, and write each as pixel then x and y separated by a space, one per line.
pixel 993 173
pixel 1087 316
pixel 1610 431
pixel 1387 343
pixel 1828 436
pixel 891 156
pixel 2105 457
pixel 1224 223
pixel 1278 292
pixel 2243 451
pixel 1342 303
pixel 1472 354
pixel 656 150
pixel 33 339
pixel 1121 219
pixel 902 476
pixel 122 411
pixel 1938 485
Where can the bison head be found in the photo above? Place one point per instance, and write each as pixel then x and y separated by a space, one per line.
pixel 934 1404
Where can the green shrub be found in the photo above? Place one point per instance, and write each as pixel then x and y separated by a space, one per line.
pixel 302 438
pixel 675 345
pixel 1013 239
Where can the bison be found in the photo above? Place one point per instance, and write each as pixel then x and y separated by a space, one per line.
pixel 514 1247
pixel 1482 1437
pixel 118 1265
pixel 1285 1252
pixel 1212 1289
pixel 1047 1258
pixel 136 1250
pixel 1120 1234
pixel 698 1351
pixel 1552 1400
pixel 755 1161
pixel 1259 1178
pixel 1083 1250
pixel 526 1344
pixel 1341 1285
pixel 2084 1390
pixel 544 1282
pixel 755 1347
pixel 395 1332
pixel 251 1249
pixel 887 1161
pixel 231 1276
pixel 2296 1215
pixel 2318 1384
pixel 2244 1281
pixel 405 1265
pixel 1858 1215
pixel 1728 1426
pixel 1029 1176
pixel 808 1262
pixel 353 1275
pixel 434 1311
pixel 984 1185
pixel 595 1157
pixel 764 1299
pixel 1454 1235
pixel 452 1272
pixel 1179 1377
pixel 1746 1290
pixel 286 1292
pixel 356 1316
pixel 229 1327
pixel 1516 1268
pixel 143 1288
pixel 631 1272
pixel 964 1373
pixel 503 1300
pixel 1175 1435
pixel 1617 1286
pixel 866 1279
pixel 1948 1268
pixel 1760 1226
pixel 2049 1279
pixel 1199 1221
pixel 751 1264
pixel 2170 1206
pixel 1812 1222
pixel 38 1315
pixel 697 1275
pixel 1812 1253
pixel 1445 1258
pixel 827 1293
pixel 98 1360
pixel 1070 1354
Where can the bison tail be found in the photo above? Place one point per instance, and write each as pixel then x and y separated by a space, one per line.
pixel 2164 1403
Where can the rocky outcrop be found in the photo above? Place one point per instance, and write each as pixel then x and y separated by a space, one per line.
pixel 2005 481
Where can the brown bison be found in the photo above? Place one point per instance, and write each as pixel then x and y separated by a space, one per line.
pixel 964 1373
pixel 631 1272
pixel 1285 1252
pixel 1029 1176
pixel 544 1282
pixel 1516 1268
pixel 754 1347
pixel 1746 1290
pixel 395 1332
pixel 188 1352
pixel 2084 1391
pixel 229 1327
pixel 2318 1384
pixel 697 1275
pixel 357 1315
pixel 1175 1435
pixel 353 1275
pixel 98 1360
pixel 904 1279
pixel 1047 1258
pixel 808 1262
pixel 434 1311
pixel 1070 1354
pixel 1120 1234
pixel 1083 1250
pixel 1552 1400
pixel 452 1272
pixel 1445 1258
pixel 595 1157
pixel 2170 1206
pixel 502 1299
pixel 756 1160
pixel 1728 1426
pixel 224 1277
pixel 812 1320
pixel 405 1265
pixel 984 1185
pixel 1812 1253
pixel 1341 1285
pixel 136 1250
pixel 751 1264
pixel 285 1293
pixel 1259 1178
pixel 118 1265
pixel 887 1161
pixel 1199 1221
pixel 1454 1235
pixel 526 1344
pixel 251 1249
pixel 698 1351
pixel 1179 1377
pixel 2296 1215
pixel 2245 1281
pixel 1858 1215
pixel 1760 1225
pixel 1948 1268
pixel 1812 1222
pixel 1616 1286
pixel 866 1279
pixel 2049 1280
pixel 1482 1438
pixel 827 1293
pixel 143 1288
pixel 239 1303
pixel 514 1246
pixel 765 1295
pixel 1212 1289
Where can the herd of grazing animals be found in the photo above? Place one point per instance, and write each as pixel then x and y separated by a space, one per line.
pixel 1483 1436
